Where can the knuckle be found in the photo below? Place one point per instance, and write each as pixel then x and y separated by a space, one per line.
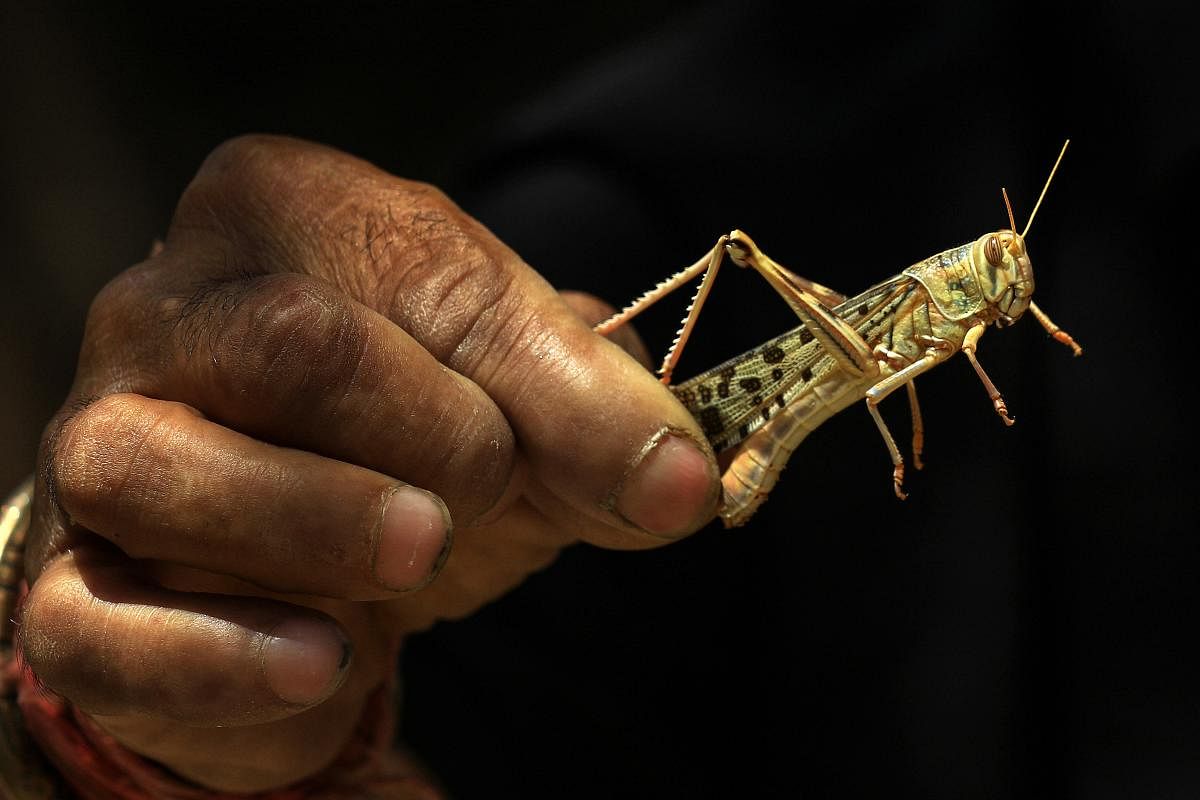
pixel 425 202
pixel 63 464
pixel 474 305
pixel 477 449
pixel 43 635
pixel 292 338
pixel 455 291
pixel 244 160
pixel 236 151
pixel 118 321
pixel 236 181
pixel 436 269
pixel 106 449
pixel 115 300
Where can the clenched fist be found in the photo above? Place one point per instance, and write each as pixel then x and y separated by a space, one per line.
pixel 331 410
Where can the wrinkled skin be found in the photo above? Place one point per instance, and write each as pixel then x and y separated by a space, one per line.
pixel 280 422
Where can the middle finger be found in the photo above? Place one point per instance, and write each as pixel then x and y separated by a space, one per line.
pixel 290 360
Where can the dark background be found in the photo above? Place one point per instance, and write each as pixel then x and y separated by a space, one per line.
pixel 1022 626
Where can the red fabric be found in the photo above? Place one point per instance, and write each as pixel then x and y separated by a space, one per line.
pixel 97 767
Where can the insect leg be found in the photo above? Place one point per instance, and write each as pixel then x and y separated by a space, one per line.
pixel 652 296
pixel 898 362
pixel 881 390
pixel 970 343
pixel 708 264
pixel 1058 333
pixel 918 425
pixel 838 337
pixel 827 296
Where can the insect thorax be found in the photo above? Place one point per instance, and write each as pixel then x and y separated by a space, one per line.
pixel 949 277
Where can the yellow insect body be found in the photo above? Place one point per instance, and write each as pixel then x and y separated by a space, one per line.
pixel 766 401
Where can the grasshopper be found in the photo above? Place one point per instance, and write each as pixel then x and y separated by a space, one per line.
pixel 767 400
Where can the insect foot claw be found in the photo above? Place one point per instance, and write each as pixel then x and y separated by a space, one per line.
pixel 1065 338
pixel 898 481
pixel 1002 410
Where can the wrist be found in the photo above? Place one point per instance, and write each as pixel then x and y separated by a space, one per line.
pixel 24 773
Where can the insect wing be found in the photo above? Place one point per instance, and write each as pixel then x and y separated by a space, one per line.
pixel 873 312
pixel 733 400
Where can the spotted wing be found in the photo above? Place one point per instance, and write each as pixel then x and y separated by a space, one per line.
pixel 732 400
pixel 736 398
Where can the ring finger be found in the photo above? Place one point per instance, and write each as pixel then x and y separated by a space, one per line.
pixel 131 468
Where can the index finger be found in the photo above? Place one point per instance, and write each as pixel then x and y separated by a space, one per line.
pixel 596 428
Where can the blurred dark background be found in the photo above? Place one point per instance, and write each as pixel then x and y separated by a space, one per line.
pixel 1022 626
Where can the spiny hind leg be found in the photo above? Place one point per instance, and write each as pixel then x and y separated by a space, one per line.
pixel 809 299
pixel 827 296
pixel 745 253
pixel 708 264
pixel 838 337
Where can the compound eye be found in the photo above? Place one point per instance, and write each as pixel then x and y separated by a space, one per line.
pixel 993 252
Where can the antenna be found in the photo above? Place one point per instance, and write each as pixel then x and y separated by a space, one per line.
pixel 1038 204
pixel 1012 223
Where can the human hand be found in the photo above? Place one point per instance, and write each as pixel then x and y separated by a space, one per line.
pixel 227 506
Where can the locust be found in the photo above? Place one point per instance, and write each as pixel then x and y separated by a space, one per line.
pixel 756 408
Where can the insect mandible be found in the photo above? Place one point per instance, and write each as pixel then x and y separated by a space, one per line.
pixel 762 404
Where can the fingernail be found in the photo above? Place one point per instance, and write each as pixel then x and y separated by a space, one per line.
pixel 414 539
pixel 304 660
pixel 671 489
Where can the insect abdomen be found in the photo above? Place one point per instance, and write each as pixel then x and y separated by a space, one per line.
pixel 762 456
